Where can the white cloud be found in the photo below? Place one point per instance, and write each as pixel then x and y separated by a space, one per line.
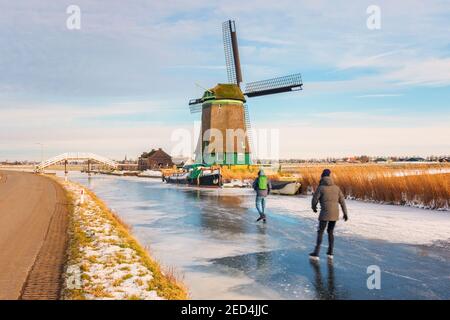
pixel 429 72
pixel 314 142
pixel 112 142
pixel 365 62
pixel 37 112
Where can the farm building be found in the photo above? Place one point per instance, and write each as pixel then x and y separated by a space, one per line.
pixel 155 159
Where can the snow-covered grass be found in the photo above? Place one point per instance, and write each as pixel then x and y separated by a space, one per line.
pixel 105 261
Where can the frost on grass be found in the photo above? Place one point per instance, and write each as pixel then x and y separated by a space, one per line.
pixel 103 263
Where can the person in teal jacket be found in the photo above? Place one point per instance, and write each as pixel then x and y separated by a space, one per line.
pixel 262 186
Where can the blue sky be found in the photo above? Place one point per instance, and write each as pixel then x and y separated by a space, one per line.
pixel 120 84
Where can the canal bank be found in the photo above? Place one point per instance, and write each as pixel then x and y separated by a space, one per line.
pixel 105 261
pixel 211 237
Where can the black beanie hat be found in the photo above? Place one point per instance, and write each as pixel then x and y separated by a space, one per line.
pixel 326 173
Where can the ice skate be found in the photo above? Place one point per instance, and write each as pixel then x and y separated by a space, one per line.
pixel 314 256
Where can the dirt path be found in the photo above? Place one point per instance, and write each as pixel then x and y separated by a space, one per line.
pixel 33 236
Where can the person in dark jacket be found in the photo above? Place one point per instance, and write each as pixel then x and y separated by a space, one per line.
pixel 330 197
pixel 262 186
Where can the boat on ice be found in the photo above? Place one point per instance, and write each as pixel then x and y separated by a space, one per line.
pixel 150 174
pixel 278 187
pixel 289 188
pixel 202 175
pixel 199 175
pixel 238 183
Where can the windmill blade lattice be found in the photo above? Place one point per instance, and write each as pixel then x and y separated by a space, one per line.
pixel 275 85
pixel 228 48
pixel 195 108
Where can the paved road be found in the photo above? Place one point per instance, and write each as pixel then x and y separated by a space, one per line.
pixel 33 236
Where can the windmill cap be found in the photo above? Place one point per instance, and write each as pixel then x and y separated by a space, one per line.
pixel 227 91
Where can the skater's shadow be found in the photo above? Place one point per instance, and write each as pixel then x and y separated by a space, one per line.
pixel 325 289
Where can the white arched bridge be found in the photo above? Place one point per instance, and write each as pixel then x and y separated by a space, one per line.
pixel 76 156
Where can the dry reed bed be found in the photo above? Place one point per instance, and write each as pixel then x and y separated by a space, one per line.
pixel 244 172
pixel 387 184
pixel 419 185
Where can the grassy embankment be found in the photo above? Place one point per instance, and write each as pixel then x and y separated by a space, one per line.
pixel 148 275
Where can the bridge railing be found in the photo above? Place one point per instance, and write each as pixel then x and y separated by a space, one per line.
pixel 76 156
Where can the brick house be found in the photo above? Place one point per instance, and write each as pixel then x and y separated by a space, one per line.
pixel 155 159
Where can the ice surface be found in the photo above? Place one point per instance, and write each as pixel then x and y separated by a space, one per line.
pixel 211 238
pixel 378 221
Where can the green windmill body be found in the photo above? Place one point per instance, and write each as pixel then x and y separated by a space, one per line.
pixel 224 130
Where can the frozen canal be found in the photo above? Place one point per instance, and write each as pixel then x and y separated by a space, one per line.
pixel 212 239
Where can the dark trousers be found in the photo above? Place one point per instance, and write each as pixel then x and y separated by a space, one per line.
pixel 320 231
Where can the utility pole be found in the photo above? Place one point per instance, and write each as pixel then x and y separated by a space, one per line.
pixel 42 151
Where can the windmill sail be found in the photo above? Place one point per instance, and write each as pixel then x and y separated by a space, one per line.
pixel 248 127
pixel 275 85
pixel 195 108
pixel 231 52
pixel 195 105
pixel 195 101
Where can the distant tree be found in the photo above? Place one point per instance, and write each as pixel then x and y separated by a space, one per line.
pixel 363 159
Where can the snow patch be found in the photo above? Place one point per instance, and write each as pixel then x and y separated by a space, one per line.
pixel 107 267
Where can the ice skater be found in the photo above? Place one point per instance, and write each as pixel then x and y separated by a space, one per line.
pixel 262 186
pixel 330 197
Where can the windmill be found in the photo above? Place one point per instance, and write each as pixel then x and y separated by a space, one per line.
pixel 225 119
